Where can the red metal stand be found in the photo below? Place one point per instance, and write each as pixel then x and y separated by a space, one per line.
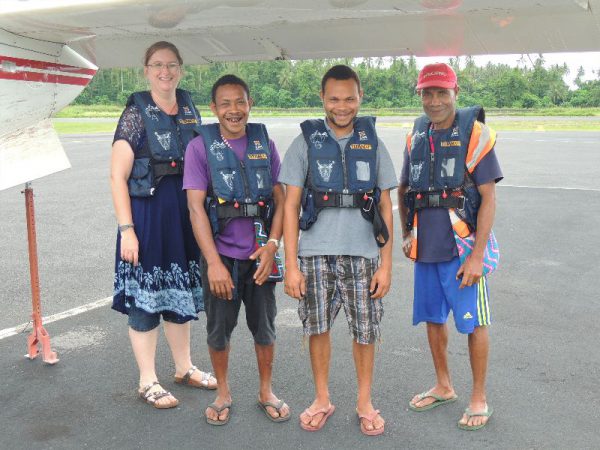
pixel 38 335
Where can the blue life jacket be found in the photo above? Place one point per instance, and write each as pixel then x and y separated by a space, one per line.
pixel 238 188
pixel 440 178
pixel 166 140
pixel 342 178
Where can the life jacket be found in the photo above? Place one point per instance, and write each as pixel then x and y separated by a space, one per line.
pixel 342 178
pixel 167 139
pixel 238 188
pixel 442 179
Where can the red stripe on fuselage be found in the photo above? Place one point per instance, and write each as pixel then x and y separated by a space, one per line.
pixel 44 78
pixel 45 65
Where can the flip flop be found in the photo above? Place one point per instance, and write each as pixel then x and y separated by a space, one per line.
pixel 370 418
pixel 438 401
pixel 277 406
pixel 486 413
pixel 218 410
pixel 326 413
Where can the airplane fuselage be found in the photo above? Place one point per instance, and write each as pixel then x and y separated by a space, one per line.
pixel 37 79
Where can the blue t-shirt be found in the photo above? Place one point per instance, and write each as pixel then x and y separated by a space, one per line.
pixel 436 241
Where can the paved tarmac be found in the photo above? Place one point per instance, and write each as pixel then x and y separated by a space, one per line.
pixel 544 362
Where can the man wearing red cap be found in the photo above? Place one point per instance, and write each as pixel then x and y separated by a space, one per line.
pixel 447 192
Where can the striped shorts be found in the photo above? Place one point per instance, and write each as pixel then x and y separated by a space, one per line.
pixel 437 292
pixel 336 281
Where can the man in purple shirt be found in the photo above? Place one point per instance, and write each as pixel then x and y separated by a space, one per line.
pixel 237 180
pixel 447 185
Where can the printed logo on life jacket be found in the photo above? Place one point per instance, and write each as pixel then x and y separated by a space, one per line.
pixel 258 156
pixel 228 179
pixel 454 132
pixel 152 112
pixel 258 146
pixel 187 121
pixel 362 135
pixel 317 139
pixel 325 169
pixel 415 171
pixel 450 144
pixel 361 146
pixel 164 140
pixel 187 111
pixel 216 149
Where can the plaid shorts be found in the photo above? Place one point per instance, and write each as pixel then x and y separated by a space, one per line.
pixel 333 281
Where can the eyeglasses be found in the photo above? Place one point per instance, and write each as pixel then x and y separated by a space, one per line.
pixel 158 66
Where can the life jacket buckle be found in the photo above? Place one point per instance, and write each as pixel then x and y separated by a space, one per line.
pixel 368 205
pixel 346 201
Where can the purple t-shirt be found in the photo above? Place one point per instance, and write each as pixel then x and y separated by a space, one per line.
pixel 436 241
pixel 237 238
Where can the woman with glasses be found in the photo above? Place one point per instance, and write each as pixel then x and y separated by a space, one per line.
pixel 156 267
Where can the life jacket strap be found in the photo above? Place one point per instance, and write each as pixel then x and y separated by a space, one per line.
pixel 437 200
pixel 163 168
pixel 229 211
pixel 334 200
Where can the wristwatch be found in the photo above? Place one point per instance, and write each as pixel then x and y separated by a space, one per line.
pixel 277 242
pixel 125 227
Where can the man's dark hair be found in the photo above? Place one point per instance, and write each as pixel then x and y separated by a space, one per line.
pixel 340 72
pixel 228 79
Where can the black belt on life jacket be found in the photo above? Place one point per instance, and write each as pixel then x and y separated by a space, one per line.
pixel 339 200
pixel 368 208
pixel 437 200
pixel 229 211
pixel 161 169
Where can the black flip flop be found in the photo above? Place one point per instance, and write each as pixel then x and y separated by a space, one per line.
pixel 219 410
pixel 277 406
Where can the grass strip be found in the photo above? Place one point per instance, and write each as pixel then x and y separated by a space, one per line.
pixel 87 127
pixel 104 111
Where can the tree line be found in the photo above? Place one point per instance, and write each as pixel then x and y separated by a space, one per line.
pixel 387 83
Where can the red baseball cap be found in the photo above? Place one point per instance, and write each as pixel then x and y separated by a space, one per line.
pixel 438 75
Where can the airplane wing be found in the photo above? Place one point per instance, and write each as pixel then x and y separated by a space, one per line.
pixel 29 154
pixel 114 33
pixel 50 49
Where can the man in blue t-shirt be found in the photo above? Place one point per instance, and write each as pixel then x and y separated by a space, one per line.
pixel 444 157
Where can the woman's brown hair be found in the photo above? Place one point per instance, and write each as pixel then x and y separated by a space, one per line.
pixel 161 45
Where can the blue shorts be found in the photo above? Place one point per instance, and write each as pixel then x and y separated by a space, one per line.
pixel 437 292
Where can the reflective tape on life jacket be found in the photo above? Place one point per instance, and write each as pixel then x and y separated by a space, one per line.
pixel 483 139
pixel 413 239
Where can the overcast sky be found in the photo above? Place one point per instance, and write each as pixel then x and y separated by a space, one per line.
pixel 589 60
